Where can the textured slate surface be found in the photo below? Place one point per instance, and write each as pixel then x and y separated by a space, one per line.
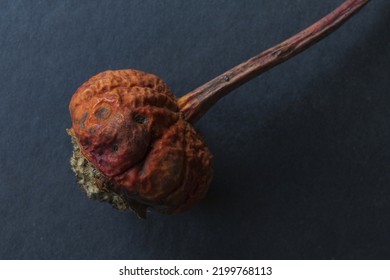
pixel 302 155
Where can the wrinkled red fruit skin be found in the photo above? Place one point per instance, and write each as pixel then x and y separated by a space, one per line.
pixel 128 125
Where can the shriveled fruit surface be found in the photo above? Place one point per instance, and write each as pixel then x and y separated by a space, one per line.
pixel 132 140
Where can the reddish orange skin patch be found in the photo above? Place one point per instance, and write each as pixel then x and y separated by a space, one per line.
pixel 128 125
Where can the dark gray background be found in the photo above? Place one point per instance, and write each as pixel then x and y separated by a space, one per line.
pixel 302 155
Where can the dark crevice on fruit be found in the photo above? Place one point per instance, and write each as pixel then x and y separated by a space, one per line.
pixel 115 148
pixel 140 119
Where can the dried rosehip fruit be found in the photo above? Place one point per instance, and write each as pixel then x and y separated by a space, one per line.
pixel 134 144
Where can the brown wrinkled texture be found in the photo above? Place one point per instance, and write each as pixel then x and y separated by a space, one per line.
pixel 128 125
